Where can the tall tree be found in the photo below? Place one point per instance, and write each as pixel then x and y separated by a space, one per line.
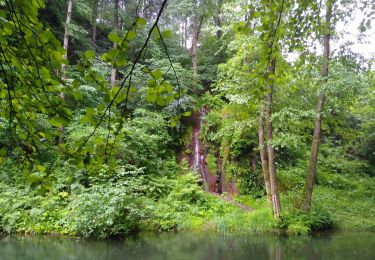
pixel 196 29
pixel 185 32
pixel 63 65
pixel 263 156
pixel 319 108
pixel 271 50
pixel 94 17
pixel 115 27
pixel 270 150
pixel 218 23
pixel 66 37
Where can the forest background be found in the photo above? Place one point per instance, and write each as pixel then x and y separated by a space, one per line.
pixel 101 100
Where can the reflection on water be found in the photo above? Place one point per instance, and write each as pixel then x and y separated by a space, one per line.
pixel 188 245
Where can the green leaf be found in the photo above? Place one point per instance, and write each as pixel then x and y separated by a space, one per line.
pixel 131 35
pixel 151 95
pixel 188 113
pixel 3 152
pixel 77 95
pixel 168 87
pixel 141 21
pixel 156 74
pixel 101 107
pixel 167 34
pixel 174 121
pixel 8 30
pixel 90 111
pixel 3 93
pixel 121 60
pixel 89 55
pixel 41 168
pixel 160 101
pixel 44 72
pixel 113 37
pixel 111 54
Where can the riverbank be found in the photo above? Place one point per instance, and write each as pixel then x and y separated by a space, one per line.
pixel 109 210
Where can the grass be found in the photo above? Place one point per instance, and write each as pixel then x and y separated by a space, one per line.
pixel 187 207
pixel 351 210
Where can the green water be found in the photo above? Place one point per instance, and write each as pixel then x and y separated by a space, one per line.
pixel 187 245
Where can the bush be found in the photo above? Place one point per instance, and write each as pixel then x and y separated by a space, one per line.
pixel 335 180
pixel 185 198
pixel 106 210
pixel 299 223
pixel 25 211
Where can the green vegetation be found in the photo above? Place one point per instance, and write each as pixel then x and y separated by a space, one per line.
pixel 177 203
pixel 110 122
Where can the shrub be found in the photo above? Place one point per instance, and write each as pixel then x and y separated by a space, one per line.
pixel 298 223
pixel 106 210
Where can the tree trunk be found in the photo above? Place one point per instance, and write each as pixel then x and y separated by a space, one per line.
pixel 253 164
pixel 196 24
pixel 141 9
pixel 182 33
pixel 263 157
pixel 94 16
pixel 318 119
pixel 219 32
pixel 220 179
pixel 59 139
pixel 271 153
pixel 115 27
pixel 66 38
pixel 185 32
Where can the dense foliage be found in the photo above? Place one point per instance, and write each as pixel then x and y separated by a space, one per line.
pixel 82 155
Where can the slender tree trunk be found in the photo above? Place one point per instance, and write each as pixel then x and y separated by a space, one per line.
pixel 115 27
pixel 253 164
pixel 182 31
pixel 94 16
pixel 185 32
pixel 271 153
pixel 141 8
pixel 121 22
pixel 219 32
pixel 196 24
pixel 318 119
pixel 263 157
pixel 220 180
pixel 59 139
pixel 66 37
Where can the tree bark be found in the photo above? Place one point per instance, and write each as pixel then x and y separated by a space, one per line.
pixel 94 16
pixel 66 38
pixel 307 197
pixel 263 157
pixel 115 27
pixel 271 153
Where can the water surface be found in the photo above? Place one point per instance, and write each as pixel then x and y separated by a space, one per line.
pixel 193 245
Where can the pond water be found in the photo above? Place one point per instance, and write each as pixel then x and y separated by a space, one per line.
pixel 193 245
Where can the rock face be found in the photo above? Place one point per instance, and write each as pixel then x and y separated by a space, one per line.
pixel 213 182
